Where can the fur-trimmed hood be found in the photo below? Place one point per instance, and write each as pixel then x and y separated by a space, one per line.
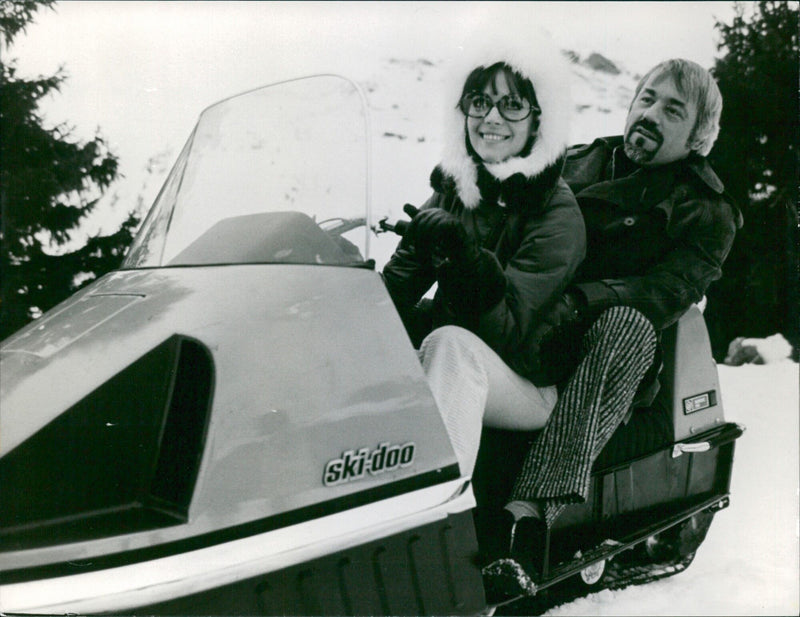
pixel 533 54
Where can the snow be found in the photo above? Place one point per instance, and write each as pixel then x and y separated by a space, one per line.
pixel 759 350
pixel 748 563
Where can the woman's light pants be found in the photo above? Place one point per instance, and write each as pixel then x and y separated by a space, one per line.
pixel 472 386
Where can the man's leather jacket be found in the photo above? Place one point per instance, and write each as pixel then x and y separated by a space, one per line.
pixel 656 237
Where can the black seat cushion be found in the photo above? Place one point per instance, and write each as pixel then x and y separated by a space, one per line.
pixel 502 452
pixel 648 430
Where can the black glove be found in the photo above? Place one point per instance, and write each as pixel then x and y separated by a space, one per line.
pixel 565 314
pixel 401 227
pixel 567 309
pixel 440 237
pixel 471 288
pixel 550 352
pixel 470 280
pixel 556 340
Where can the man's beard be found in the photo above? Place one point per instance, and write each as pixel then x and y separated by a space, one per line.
pixel 634 144
pixel 638 155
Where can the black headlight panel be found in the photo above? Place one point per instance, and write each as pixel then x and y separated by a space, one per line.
pixel 123 459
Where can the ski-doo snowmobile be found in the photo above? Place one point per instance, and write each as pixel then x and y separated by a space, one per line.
pixel 236 422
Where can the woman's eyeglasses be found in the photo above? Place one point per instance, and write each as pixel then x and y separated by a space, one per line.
pixel 512 107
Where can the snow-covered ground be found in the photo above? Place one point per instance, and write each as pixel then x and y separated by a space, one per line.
pixel 748 564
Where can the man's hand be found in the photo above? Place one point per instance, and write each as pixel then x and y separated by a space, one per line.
pixel 557 338
pixel 565 311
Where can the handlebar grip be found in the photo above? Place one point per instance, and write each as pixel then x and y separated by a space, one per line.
pixel 400 227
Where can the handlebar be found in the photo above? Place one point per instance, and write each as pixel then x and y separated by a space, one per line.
pixel 338 225
pixel 400 227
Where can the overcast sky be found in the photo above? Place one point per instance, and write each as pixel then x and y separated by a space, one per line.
pixel 127 57
pixel 142 71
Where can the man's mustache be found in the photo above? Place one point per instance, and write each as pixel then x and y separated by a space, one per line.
pixel 649 127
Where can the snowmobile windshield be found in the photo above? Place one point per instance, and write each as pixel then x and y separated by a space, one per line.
pixel 274 175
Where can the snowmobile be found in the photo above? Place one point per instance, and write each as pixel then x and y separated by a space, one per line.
pixel 236 422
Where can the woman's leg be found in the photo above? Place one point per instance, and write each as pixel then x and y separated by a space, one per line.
pixel 472 385
pixel 514 403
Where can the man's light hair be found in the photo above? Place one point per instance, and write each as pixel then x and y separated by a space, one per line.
pixel 697 84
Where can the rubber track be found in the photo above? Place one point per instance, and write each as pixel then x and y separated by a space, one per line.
pixel 619 576
pixel 620 573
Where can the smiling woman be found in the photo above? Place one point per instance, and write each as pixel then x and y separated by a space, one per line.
pixel 500 236
pixel 501 122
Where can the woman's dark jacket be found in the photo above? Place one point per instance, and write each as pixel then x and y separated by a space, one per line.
pixel 657 237
pixel 533 238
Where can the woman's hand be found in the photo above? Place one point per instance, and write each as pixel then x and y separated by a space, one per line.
pixel 439 236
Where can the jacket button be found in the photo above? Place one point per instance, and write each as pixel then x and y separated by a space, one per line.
pixel 629 220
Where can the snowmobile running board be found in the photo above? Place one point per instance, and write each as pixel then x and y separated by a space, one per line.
pixel 605 552
pixel 609 549
pixel 624 529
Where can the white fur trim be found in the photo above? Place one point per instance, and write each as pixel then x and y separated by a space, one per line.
pixel 531 52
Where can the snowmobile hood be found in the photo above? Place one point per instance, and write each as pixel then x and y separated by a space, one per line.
pixel 285 358
pixel 246 370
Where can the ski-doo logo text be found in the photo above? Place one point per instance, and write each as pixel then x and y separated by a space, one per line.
pixel 355 464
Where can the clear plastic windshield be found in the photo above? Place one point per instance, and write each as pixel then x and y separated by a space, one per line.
pixel 275 175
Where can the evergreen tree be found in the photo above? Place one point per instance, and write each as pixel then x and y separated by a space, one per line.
pixel 756 155
pixel 49 183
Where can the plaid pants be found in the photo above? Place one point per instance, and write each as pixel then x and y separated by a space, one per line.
pixel 617 351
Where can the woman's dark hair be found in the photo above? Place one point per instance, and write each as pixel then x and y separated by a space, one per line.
pixel 480 77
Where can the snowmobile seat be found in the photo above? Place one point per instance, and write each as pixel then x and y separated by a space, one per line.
pixel 686 404
pixel 648 430
pixel 502 452
pixel 688 400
